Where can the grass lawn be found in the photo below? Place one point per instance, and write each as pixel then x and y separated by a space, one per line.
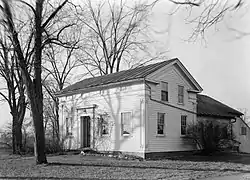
pixel 99 167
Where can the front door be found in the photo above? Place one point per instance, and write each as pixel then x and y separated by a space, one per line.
pixel 85 131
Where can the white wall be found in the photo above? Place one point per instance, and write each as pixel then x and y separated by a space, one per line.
pixel 113 101
pixel 243 139
pixel 172 139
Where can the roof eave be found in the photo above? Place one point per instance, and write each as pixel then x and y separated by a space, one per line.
pixel 95 88
pixel 196 84
pixel 218 116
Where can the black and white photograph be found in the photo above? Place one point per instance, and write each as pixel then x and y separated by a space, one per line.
pixel 125 89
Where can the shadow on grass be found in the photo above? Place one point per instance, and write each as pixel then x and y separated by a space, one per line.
pixel 223 157
pixel 149 167
pixel 226 157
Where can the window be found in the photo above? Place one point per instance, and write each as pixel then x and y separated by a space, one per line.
pixel 67 126
pixel 126 123
pixel 243 131
pixel 164 91
pixel 104 128
pixel 181 94
pixel 160 123
pixel 183 125
pixel 68 121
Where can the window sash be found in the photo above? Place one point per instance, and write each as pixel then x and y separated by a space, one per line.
pixel 183 125
pixel 67 125
pixel 164 91
pixel 104 128
pixel 160 123
pixel 243 131
pixel 180 94
pixel 126 123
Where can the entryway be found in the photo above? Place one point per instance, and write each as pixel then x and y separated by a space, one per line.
pixel 85 131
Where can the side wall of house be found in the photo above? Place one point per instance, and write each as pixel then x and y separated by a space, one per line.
pixel 108 103
pixel 244 139
pixel 171 140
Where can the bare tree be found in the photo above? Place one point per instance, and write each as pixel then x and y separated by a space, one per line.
pixel 41 21
pixel 59 64
pixel 209 13
pixel 116 34
pixel 14 94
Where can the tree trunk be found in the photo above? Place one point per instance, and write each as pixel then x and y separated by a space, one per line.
pixel 57 131
pixel 16 136
pixel 13 137
pixel 37 114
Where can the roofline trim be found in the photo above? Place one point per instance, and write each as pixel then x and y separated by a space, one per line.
pixel 244 122
pixel 197 85
pixel 95 88
pixel 217 115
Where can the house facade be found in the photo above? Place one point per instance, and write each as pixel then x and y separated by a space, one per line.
pixel 139 111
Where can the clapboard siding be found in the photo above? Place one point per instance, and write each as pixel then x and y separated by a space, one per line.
pixel 243 139
pixel 172 139
pixel 129 98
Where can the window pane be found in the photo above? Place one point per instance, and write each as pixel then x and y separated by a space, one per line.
pixel 160 123
pixel 180 94
pixel 180 90
pixel 183 125
pixel 164 91
pixel 164 95
pixel 126 123
pixel 243 130
pixel 67 125
pixel 164 86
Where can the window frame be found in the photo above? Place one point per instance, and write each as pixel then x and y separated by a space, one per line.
pixel 243 133
pixel 102 122
pixel 68 124
pixel 122 123
pixel 181 95
pixel 184 125
pixel 164 91
pixel 162 124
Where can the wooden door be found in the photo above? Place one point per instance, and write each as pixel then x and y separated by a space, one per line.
pixel 85 131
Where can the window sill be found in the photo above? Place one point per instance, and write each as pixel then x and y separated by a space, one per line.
pixel 184 136
pixel 126 135
pixel 160 135
pixel 182 104
pixel 104 135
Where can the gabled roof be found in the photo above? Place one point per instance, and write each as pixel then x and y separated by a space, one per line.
pixel 122 76
pixel 208 106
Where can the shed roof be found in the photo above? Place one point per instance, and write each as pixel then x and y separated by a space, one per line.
pixel 131 74
pixel 208 106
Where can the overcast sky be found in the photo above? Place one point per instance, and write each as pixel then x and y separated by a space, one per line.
pixel 220 65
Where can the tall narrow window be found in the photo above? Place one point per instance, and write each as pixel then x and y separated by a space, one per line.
pixel 164 91
pixel 243 131
pixel 183 125
pixel 126 123
pixel 160 123
pixel 67 125
pixel 181 94
pixel 69 122
pixel 104 128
